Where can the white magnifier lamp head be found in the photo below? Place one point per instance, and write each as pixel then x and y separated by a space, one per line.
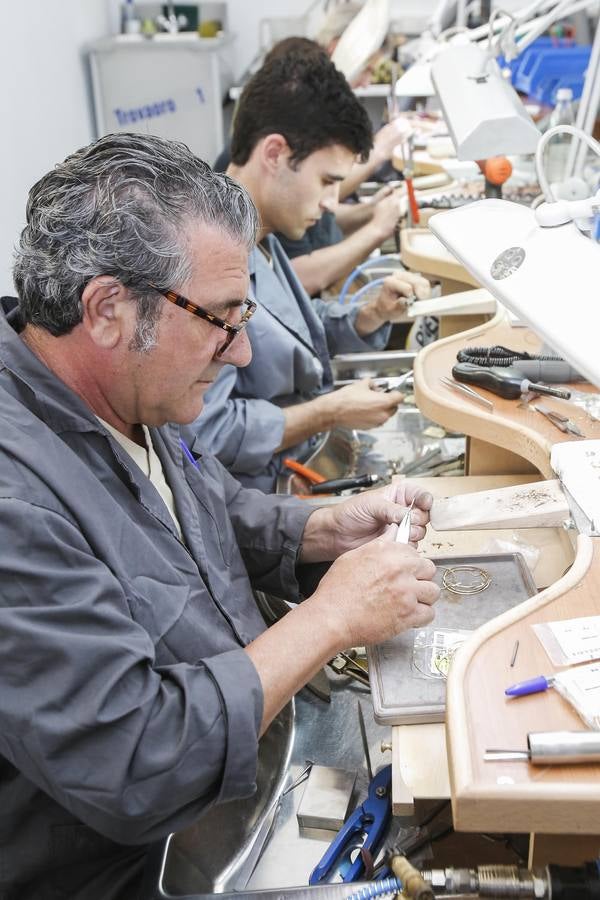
pixel 548 276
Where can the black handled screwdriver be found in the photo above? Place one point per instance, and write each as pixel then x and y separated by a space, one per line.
pixel 505 382
pixel 335 485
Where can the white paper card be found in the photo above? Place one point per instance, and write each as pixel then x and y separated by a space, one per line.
pixel 581 687
pixel 571 641
pixel 577 464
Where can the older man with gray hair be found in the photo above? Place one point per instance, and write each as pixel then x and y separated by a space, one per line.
pixel 136 674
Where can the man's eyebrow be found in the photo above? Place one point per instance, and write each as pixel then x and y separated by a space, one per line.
pixel 335 177
pixel 225 305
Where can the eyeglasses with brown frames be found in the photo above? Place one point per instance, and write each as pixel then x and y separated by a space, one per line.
pixel 231 330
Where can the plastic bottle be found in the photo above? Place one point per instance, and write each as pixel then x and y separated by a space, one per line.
pixel 131 23
pixel 557 151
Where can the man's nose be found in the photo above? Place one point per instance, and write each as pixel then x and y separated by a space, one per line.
pixel 239 351
pixel 330 197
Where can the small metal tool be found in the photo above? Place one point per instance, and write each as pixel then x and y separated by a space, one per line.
pixel 549 748
pixel 403 533
pixel 422 461
pixel 365 743
pixel 408 172
pixel 467 392
pixel 344 664
pixel 301 778
pixel 513 658
pixel 563 423
pixel 396 382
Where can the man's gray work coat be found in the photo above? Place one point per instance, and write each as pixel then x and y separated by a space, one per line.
pixel 292 339
pixel 127 703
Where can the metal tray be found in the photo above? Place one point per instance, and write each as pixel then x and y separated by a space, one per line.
pixel 401 695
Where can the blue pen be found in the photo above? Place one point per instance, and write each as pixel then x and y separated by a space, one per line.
pixel 187 452
pixel 531 686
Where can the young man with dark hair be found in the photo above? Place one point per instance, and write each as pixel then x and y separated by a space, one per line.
pixel 346 233
pixel 298 131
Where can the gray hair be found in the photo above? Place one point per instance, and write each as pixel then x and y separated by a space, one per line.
pixel 121 207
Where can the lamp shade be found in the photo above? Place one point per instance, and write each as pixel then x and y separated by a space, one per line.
pixel 547 276
pixel 416 81
pixel 484 114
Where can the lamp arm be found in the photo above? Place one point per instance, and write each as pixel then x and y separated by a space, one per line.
pixel 539 154
pixel 537 27
pixel 482 31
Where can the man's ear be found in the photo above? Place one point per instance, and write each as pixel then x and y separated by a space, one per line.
pixel 106 310
pixel 275 152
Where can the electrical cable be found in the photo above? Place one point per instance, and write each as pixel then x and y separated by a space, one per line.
pixel 499 356
pixel 433 813
pixel 539 154
pixel 429 839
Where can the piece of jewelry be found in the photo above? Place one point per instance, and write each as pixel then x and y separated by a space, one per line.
pixel 477 580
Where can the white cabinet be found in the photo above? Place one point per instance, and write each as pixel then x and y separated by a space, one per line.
pixel 171 85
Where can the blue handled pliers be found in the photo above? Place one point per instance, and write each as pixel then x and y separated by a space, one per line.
pixel 364 829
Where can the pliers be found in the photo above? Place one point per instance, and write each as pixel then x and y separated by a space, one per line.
pixel 563 423
pixel 365 829
pixel 346 664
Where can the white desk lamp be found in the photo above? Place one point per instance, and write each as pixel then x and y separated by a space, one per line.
pixel 483 112
pixel 505 33
pixel 587 110
pixel 546 273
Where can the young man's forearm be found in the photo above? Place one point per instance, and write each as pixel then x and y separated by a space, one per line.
pixel 352 216
pixel 322 268
pixel 305 419
pixel 360 172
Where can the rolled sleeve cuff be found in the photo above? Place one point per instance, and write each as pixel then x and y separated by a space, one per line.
pixel 262 435
pixel 298 515
pixel 378 339
pixel 242 697
pixel 342 335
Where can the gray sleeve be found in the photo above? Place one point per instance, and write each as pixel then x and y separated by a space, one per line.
pixel 338 320
pixel 243 433
pixel 132 749
pixel 269 531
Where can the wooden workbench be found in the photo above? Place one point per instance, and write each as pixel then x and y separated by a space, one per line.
pixel 514 796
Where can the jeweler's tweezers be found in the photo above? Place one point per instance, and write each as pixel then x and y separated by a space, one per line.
pixel 403 533
pixel 467 392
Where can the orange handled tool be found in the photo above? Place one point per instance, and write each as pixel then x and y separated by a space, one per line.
pixel 306 472
pixel 412 201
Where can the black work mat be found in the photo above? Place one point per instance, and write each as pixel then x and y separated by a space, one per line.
pixel 401 693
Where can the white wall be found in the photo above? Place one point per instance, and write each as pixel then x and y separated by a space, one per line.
pixel 244 17
pixel 47 113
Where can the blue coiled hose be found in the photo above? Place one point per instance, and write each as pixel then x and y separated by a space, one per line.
pixel 377 282
pixel 368 264
pixel 377 889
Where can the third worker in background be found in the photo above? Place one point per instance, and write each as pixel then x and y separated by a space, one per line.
pixel 298 131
